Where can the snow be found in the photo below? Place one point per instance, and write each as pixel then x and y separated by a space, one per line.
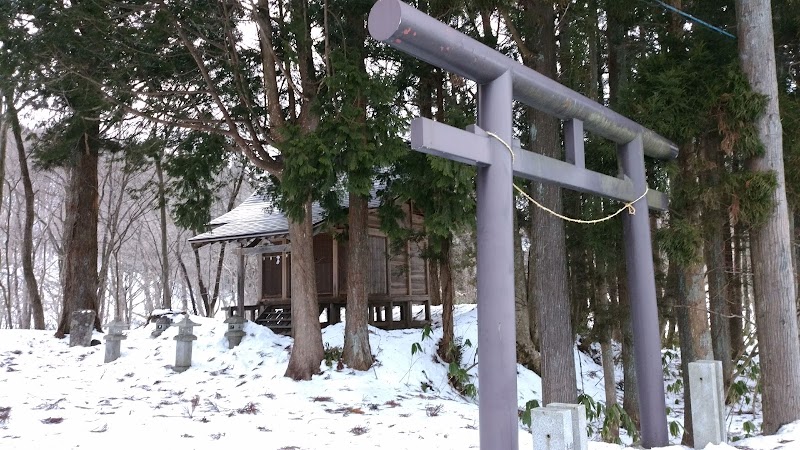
pixel 66 398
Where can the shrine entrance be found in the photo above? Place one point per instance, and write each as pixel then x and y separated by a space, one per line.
pixel 501 81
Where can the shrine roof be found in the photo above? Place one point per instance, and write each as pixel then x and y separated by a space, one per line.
pixel 259 217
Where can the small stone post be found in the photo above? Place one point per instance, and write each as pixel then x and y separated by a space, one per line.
pixel 183 348
pixel 162 323
pixel 552 429
pixel 235 331
pixel 708 403
pixel 578 416
pixel 113 339
pixel 80 328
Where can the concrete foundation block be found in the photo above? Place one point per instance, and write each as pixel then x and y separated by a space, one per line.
pixel 552 429
pixel 578 415
pixel 707 394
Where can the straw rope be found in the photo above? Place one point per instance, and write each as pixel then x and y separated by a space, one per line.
pixel 627 206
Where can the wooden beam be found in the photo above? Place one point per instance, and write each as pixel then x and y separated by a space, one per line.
pixel 269 248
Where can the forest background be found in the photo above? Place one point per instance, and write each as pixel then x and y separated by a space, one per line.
pixel 129 125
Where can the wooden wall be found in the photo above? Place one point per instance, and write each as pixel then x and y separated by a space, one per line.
pixel 393 273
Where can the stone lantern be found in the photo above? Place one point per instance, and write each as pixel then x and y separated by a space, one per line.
pixel 113 339
pixel 183 348
pixel 235 331
pixel 162 324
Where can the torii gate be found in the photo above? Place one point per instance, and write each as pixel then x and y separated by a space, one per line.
pixel 502 80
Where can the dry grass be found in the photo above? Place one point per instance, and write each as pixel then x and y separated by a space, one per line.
pixel 358 431
pixel 433 411
pixel 250 408
pixel 52 420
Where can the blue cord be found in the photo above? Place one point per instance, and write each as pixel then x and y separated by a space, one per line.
pixel 695 19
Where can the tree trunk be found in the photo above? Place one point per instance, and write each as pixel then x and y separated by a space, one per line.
pixel 448 297
pixel 607 355
pixel 80 232
pixel 733 260
pixel 166 288
pixel 3 146
pixel 718 298
pixel 436 283
pixel 773 280
pixel 187 281
pixel 356 353
pixel 307 352
pixel 630 400
pixel 616 35
pixel 695 337
pixel 527 355
pixel 548 260
pixel 31 286
pixel 716 219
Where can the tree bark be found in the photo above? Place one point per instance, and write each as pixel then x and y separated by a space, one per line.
pixel 307 352
pixel 31 285
pixel 80 232
pixel 356 353
pixel 733 260
pixel 527 354
pixel 716 219
pixel 630 400
pixel 3 146
pixel 166 288
pixel 695 337
pixel 607 354
pixel 773 280
pixel 548 255
pixel 719 293
pixel 448 297
pixel 188 281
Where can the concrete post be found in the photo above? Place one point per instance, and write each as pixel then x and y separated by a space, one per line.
pixel 552 429
pixel 81 327
pixel 183 348
pixel 235 331
pixel 578 416
pixel 113 340
pixel 707 394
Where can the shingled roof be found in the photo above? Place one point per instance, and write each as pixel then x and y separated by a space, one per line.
pixel 258 217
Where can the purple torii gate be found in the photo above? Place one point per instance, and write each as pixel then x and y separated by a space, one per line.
pixel 502 80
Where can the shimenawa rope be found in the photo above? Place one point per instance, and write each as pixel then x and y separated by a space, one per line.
pixel 627 206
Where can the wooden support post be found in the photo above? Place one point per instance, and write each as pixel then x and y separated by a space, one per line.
pixel 240 283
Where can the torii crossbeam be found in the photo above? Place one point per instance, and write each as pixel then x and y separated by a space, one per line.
pixel 502 80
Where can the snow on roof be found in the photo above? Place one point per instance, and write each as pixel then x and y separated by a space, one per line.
pixel 252 221
pixel 259 217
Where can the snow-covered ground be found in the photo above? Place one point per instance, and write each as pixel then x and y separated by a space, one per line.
pixel 56 397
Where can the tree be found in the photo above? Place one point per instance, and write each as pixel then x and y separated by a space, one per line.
pixel 31 285
pixel 358 129
pixel 773 280
pixel 47 46
pixel 547 263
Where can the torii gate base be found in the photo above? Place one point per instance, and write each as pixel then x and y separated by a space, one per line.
pixel 501 81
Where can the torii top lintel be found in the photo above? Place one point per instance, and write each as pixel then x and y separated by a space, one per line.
pixel 413 32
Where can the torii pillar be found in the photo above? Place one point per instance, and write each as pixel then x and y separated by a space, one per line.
pixel 502 80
